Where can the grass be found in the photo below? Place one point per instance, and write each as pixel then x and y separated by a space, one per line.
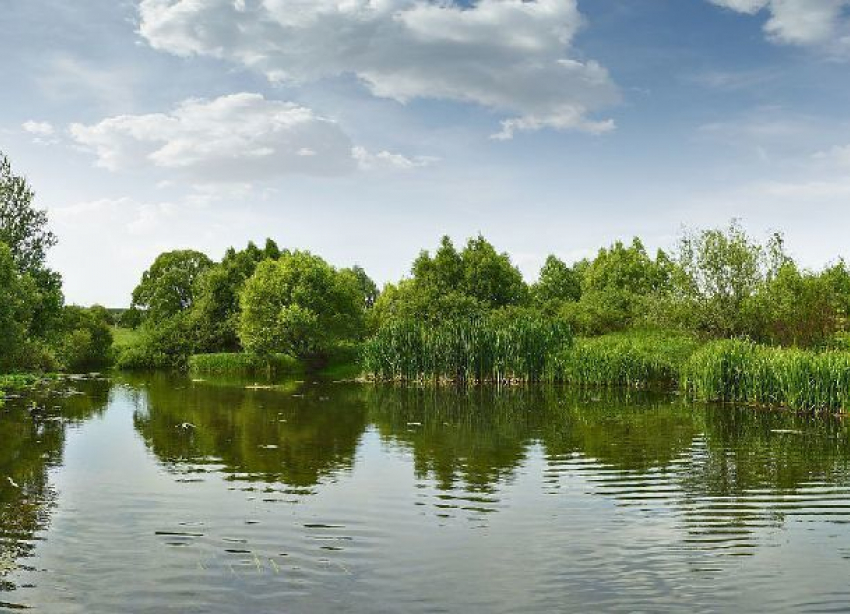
pixel 474 351
pixel 636 359
pixel 244 364
pixel 124 337
pixel 734 371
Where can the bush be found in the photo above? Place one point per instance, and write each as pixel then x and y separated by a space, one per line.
pixel 86 339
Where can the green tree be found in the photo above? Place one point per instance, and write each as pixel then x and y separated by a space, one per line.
pixel 557 282
pixel 720 269
pixel 299 305
pixel 17 304
pixel 618 287
pixel 215 313
pixel 23 228
pixel 490 276
pixel 452 284
pixel 367 286
pixel 167 288
pixel 86 338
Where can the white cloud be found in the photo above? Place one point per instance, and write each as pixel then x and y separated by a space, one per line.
pixel 819 23
pixel 235 138
pixel 511 56
pixel 387 160
pixel 838 156
pixel 41 129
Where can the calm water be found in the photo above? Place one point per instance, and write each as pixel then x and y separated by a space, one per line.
pixel 166 495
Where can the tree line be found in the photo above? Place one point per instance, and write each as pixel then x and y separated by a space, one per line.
pixel 266 300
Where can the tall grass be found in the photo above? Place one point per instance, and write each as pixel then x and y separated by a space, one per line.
pixel 243 364
pixel 637 359
pixel 743 372
pixel 467 351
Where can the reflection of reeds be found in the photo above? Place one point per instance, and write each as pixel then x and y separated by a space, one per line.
pixel 743 372
pixel 470 351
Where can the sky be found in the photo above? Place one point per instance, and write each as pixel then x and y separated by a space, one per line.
pixel 364 130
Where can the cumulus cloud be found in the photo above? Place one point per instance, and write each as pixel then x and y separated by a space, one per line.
pixel 510 56
pixel 38 128
pixel 820 23
pixel 368 161
pixel 235 138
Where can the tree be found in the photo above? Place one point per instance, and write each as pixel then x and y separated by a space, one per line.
pixel 490 276
pixel 557 282
pixel 720 269
pixel 168 286
pixel 453 284
pixel 17 304
pixel 368 288
pixel 23 228
pixel 299 305
pixel 86 338
pixel 618 287
pixel 215 313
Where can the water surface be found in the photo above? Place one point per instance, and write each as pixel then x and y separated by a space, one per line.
pixel 161 494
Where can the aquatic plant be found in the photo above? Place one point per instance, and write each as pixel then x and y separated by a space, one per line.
pixel 634 360
pixel 243 364
pixel 467 351
pixel 744 372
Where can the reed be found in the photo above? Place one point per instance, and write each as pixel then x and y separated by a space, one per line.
pixel 637 359
pixel 467 351
pixel 243 364
pixel 735 371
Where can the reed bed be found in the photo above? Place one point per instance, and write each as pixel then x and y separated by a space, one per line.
pixel 468 351
pixel 243 364
pixel 637 359
pixel 734 371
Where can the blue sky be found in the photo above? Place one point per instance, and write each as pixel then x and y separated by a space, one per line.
pixel 363 130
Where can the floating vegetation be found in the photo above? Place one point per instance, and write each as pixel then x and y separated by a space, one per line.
pixel 467 351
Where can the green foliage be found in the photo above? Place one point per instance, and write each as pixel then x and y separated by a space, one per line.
pixel 794 308
pixel 743 372
pixel 367 286
pixel 636 359
pixel 37 304
pixel 452 285
pixel 719 270
pixel 215 314
pixel 17 304
pixel 467 351
pixel 85 341
pixel 557 282
pixel 166 345
pixel 167 288
pixel 299 305
pixel 616 288
pixel 22 227
pixel 244 364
